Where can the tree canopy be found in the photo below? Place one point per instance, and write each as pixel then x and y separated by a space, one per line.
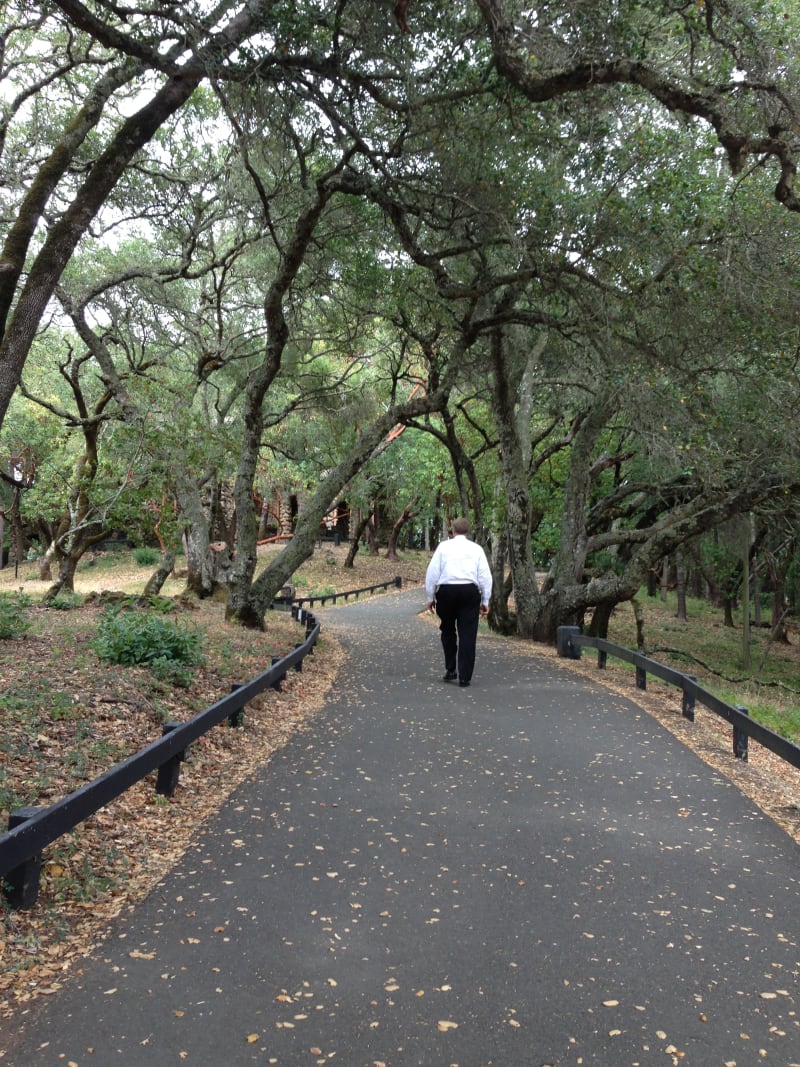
pixel 561 244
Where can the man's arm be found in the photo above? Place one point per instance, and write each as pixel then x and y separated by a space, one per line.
pixel 432 576
pixel 484 581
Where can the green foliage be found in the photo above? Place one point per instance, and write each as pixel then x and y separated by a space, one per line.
pixel 172 672
pixel 128 638
pixel 323 590
pixel 65 602
pixel 14 621
pixel 146 556
pixel 703 647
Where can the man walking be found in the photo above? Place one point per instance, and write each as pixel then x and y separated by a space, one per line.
pixel 458 584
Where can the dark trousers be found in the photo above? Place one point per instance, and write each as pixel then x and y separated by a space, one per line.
pixel 459 607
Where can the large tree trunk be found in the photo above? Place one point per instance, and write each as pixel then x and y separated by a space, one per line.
pixel 249 610
pixel 46 562
pixel 514 438
pixel 500 619
pixel 196 539
pixel 601 616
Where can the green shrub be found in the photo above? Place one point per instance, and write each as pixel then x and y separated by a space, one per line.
pixel 65 601
pixel 169 670
pixel 129 638
pixel 146 557
pixel 14 621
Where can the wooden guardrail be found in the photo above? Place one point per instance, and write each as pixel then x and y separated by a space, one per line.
pixel 394 583
pixel 32 829
pixel 570 641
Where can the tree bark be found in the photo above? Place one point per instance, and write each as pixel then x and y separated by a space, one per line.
pixel 196 538
pixel 65 582
pixel 680 586
pixel 155 582
pixel 407 513
pixel 514 441
pixel 356 538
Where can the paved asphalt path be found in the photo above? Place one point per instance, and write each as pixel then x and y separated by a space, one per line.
pixel 530 871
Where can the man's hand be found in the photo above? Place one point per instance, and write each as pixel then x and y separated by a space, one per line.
pixel 484 609
pixel 431 605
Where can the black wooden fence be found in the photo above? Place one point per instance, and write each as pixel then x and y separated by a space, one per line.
pixel 570 642
pixel 32 829
pixel 395 583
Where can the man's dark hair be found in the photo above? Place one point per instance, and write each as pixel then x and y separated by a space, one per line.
pixel 461 525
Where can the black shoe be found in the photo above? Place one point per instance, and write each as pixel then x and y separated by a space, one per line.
pixel 449 676
pixel 463 685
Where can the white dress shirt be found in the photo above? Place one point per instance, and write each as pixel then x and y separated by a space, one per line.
pixel 459 561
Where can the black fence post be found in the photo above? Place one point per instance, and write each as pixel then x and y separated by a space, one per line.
pixel 740 738
pixel 21 886
pixel 566 648
pixel 276 685
pixel 236 718
pixel 169 771
pixel 688 702
pixel 641 678
pixel 602 659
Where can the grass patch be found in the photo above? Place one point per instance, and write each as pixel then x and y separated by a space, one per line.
pixel 704 647
pixel 14 617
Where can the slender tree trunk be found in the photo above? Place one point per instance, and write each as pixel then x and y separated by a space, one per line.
pixel 500 619
pixel 680 585
pixel 601 617
pixel 407 513
pixel 756 597
pixel 356 538
pixel 652 582
pixel 155 582
pixel 638 615
pixel 371 531
pixel 779 608
pixel 746 632
pixel 17 535
pixel 46 562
